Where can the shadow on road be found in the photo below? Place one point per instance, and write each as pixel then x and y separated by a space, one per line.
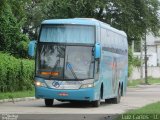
pixel 75 105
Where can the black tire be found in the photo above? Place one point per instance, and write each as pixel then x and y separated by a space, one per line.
pixel 117 99
pixel 96 103
pixel 75 102
pixel 49 102
pixel 108 100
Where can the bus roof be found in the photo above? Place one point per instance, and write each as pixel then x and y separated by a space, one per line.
pixel 84 21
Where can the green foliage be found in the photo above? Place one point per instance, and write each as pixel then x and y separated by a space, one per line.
pixel 148 112
pixel 22 47
pixel 148 109
pixel 18 94
pixel 34 15
pixel 135 17
pixel 17 7
pixel 136 62
pixel 10 28
pixel 15 74
pixel 134 83
pixel 132 62
pixel 70 8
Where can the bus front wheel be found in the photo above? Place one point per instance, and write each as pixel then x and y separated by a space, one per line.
pixel 97 103
pixel 48 102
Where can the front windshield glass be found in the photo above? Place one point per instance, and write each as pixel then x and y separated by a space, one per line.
pixel 79 62
pixel 51 60
pixel 65 62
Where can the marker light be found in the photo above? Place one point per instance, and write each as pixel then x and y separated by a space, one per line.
pixel 50 73
pixel 55 73
pixel 45 73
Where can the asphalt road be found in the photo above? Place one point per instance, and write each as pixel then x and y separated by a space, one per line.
pixel 135 98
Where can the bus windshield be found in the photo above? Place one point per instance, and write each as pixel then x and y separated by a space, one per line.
pixel 65 62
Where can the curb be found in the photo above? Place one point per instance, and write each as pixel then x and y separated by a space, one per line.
pixel 151 85
pixel 17 99
pixel 144 86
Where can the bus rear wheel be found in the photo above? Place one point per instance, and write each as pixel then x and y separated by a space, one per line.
pixel 117 99
pixel 48 102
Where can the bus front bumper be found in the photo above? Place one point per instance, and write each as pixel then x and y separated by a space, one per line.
pixel 86 94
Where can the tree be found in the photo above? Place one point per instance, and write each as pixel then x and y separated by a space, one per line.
pixel 34 16
pixel 132 16
pixel 10 29
pixel 70 8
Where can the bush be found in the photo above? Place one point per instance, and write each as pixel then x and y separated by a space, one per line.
pixel 132 62
pixel 22 48
pixel 15 74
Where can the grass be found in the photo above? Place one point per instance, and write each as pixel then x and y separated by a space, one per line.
pixel 153 108
pixel 134 83
pixel 19 94
pixel 148 112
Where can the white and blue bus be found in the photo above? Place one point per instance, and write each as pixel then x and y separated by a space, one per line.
pixel 80 59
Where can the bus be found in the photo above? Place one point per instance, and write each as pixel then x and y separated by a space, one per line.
pixel 80 59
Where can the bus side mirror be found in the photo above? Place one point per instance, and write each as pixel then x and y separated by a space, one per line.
pixel 97 52
pixel 31 48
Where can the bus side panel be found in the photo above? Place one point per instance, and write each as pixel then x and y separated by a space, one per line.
pixel 107 73
pixel 105 66
pixel 123 73
pixel 114 63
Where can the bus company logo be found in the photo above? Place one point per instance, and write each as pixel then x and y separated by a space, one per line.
pixel 56 84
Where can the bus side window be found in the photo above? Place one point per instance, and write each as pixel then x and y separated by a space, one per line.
pixel 103 36
pixel 112 40
pixel 122 43
pixel 118 44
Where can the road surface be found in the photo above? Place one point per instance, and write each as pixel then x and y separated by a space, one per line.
pixel 135 98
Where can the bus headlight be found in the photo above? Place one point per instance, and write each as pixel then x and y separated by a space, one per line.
pixel 39 84
pixel 90 85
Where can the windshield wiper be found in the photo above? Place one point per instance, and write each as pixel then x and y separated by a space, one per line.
pixel 71 69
